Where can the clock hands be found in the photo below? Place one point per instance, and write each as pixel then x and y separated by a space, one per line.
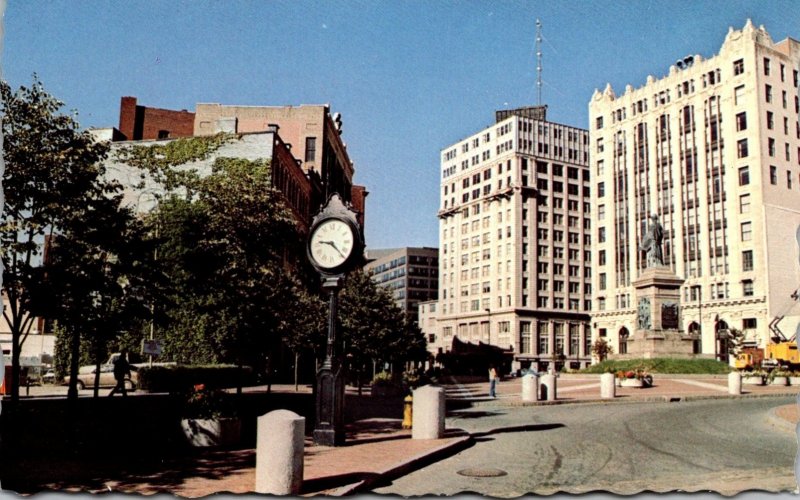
pixel 331 243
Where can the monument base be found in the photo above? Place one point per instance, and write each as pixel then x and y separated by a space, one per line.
pixel 649 344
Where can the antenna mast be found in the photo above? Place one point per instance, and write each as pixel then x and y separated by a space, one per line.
pixel 538 62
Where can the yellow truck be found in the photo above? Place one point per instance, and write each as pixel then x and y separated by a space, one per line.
pixel 782 355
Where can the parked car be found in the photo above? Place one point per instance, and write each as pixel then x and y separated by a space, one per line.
pixel 49 377
pixel 86 377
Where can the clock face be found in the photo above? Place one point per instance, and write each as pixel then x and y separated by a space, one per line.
pixel 332 243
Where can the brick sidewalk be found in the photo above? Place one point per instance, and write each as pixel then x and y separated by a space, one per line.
pixel 375 448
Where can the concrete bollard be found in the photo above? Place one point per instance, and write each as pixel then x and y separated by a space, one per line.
pixel 608 386
pixel 735 383
pixel 549 387
pixel 279 453
pixel 428 411
pixel 530 387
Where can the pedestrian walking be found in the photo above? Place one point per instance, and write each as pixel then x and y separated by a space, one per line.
pixel 492 382
pixel 122 370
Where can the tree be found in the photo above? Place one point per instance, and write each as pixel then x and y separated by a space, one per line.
pixel 97 281
pixel 224 247
pixel 601 349
pixel 374 328
pixel 52 170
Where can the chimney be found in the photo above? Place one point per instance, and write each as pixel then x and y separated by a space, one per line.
pixel 127 117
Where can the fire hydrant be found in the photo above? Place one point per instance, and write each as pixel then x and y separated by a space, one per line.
pixel 407 412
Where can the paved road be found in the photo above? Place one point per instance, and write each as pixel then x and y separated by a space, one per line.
pixel 720 445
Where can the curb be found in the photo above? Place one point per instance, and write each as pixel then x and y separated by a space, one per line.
pixel 780 422
pixel 634 399
pixel 407 466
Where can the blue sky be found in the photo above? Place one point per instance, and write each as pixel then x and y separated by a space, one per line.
pixel 409 77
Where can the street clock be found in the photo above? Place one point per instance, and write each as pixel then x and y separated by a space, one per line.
pixel 335 243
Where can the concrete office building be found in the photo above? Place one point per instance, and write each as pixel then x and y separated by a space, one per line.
pixel 411 274
pixel 713 148
pixel 515 241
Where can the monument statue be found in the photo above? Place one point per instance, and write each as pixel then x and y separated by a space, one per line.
pixel 651 242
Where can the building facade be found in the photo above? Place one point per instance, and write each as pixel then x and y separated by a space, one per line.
pixel 311 131
pixel 515 240
pixel 411 274
pixel 713 148
pixel 298 188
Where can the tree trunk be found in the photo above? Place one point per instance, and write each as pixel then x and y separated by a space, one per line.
pixel 75 348
pixel 98 362
pixel 15 368
pixel 296 361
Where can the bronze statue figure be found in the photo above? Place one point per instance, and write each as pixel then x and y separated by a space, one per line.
pixel 651 242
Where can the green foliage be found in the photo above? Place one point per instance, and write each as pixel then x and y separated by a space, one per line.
pixel 182 378
pixel 204 403
pixel 163 161
pixel 601 349
pixel 383 378
pixel 373 327
pixel 661 365
pixel 223 252
pixel 54 187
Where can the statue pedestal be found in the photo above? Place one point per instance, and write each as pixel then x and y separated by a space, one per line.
pixel 658 322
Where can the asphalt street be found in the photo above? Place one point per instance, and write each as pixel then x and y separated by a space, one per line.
pixel 727 446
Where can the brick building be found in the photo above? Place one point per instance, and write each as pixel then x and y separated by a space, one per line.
pixel 138 123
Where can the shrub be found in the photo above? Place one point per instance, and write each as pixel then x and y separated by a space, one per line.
pixel 182 378
pixel 383 379
pixel 661 365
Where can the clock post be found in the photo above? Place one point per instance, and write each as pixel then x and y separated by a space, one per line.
pixel 335 246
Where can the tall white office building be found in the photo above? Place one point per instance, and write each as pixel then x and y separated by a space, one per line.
pixel 713 148
pixel 515 245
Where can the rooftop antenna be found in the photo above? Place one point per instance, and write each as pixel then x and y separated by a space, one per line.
pixel 538 63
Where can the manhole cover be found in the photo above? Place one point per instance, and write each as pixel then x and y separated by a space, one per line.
pixel 482 472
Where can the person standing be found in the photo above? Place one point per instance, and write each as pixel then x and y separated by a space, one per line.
pixel 492 382
pixel 122 370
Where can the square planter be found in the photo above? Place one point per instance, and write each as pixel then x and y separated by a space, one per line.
pixel 794 381
pixel 385 391
pixel 753 380
pixel 632 382
pixel 204 433
pixel 779 380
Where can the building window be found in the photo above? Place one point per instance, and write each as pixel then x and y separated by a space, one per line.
pixel 738 94
pixel 738 67
pixel 524 337
pixel 770 120
pixel 747 288
pixel 766 66
pixel 744 176
pixel 773 175
pixel 741 148
pixel 744 203
pixel 747 260
pixel 741 121
pixel 789 179
pixel 544 340
pixel 771 147
pixel 768 92
pixel 311 148
pixel 747 231
pixel 598 122
pixel 602 283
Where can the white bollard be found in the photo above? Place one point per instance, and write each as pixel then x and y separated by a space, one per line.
pixel 279 453
pixel 428 411
pixel 549 386
pixel 734 383
pixel 530 387
pixel 608 387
